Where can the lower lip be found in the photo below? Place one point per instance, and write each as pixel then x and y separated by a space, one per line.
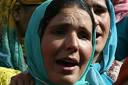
pixel 67 70
pixel 99 38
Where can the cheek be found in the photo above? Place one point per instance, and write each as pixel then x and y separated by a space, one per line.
pixel 89 53
pixel 86 50
pixel 49 46
pixel 85 55
pixel 45 52
pixel 106 22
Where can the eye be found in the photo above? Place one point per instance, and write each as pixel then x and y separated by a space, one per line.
pixel 98 10
pixel 59 31
pixel 83 35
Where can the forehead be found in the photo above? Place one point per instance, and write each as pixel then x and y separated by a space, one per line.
pixel 73 15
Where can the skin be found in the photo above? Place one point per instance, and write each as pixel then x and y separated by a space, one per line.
pixel 69 42
pixel 101 17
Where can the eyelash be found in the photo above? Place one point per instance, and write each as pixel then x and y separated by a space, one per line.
pixel 83 35
pixel 61 32
pixel 98 10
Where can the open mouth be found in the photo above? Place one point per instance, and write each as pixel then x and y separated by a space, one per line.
pixel 98 34
pixel 67 62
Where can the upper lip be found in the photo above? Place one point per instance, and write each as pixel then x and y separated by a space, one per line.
pixel 67 61
pixel 98 33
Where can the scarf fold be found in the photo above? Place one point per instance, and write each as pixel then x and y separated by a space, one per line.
pixel 11 54
pixel 97 74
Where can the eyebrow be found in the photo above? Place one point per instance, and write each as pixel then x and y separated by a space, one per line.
pixel 61 25
pixel 66 25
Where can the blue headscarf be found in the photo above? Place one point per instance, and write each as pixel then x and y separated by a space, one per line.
pixel 97 74
pixel 35 60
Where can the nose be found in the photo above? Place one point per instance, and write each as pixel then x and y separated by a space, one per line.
pixel 96 17
pixel 72 43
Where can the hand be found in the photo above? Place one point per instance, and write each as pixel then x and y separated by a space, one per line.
pixel 22 79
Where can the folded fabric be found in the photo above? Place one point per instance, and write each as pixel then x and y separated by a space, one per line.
pixel 121 9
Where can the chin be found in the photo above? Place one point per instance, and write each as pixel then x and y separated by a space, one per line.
pixel 99 46
pixel 64 80
pixel 98 49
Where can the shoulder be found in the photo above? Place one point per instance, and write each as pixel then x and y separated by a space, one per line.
pixel 6 74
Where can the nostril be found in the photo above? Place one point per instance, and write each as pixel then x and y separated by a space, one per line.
pixel 72 49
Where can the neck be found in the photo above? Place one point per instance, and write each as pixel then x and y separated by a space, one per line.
pixel 97 57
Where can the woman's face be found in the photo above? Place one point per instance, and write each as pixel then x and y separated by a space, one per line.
pixel 66 45
pixel 102 20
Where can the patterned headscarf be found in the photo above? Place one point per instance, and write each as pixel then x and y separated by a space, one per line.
pixel 121 9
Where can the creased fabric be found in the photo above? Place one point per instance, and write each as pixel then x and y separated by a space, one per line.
pixel 121 9
pixel 11 54
pixel 98 72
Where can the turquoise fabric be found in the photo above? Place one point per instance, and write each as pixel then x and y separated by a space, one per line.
pixel 35 60
pixel 122 45
pixel 97 74
pixel 11 54
pixel 32 41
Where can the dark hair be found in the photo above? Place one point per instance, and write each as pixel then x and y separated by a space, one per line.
pixel 54 8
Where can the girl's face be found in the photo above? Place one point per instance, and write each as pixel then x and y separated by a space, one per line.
pixel 67 45
pixel 102 19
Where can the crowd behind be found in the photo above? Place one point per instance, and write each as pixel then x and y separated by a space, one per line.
pixel 19 64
